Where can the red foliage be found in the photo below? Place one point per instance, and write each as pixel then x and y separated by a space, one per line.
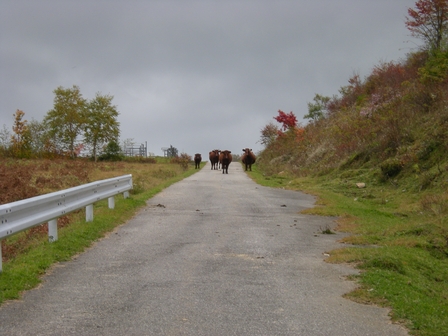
pixel 288 120
pixel 388 74
pixel 428 21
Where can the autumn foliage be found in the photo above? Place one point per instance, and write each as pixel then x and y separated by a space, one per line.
pixel 429 21
pixel 394 114
pixel 288 120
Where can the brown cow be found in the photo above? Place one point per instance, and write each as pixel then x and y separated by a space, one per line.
pixel 225 158
pixel 248 158
pixel 197 161
pixel 214 157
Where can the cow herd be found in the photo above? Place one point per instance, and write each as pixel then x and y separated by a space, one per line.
pixel 221 159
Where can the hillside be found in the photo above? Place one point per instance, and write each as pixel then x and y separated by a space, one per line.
pixel 389 130
pixel 376 155
pixel 395 119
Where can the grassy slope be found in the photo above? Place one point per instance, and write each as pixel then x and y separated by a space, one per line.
pixel 400 250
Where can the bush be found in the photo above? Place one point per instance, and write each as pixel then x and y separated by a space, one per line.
pixel 183 160
pixel 391 167
pixel 111 153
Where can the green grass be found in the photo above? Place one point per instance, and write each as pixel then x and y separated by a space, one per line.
pixel 25 270
pixel 398 241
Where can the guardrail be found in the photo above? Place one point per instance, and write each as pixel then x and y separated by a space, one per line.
pixel 25 214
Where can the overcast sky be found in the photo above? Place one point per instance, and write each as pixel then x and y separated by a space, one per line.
pixel 197 75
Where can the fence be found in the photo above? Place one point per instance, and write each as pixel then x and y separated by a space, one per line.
pixel 25 214
pixel 142 150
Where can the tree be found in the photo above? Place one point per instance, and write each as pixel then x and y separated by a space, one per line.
pixel 5 139
pixel 66 120
pixel 288 120
pixel 172 152
pixel 317 110
pixel 268 134
pixel 429 21
pixel 100 123
pixel 435 68
pixel 20 139
pixel 38 136
pixel 112 152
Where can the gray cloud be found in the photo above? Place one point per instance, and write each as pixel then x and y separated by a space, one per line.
pixel 197 75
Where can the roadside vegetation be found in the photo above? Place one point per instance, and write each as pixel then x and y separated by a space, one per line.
pixel 28 255
pixel 375 154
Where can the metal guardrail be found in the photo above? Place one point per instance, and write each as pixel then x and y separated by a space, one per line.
pixel 25 214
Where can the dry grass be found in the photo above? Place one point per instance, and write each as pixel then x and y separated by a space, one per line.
pixel 21 179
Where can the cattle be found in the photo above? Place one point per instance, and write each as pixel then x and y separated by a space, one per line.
pixel 214 157
pixel 225 158
pixel 248 158
pixel 197 161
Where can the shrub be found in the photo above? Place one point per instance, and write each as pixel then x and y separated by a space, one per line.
pixel 391 167
pixel 183 160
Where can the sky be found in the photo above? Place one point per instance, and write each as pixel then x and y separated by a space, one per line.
pixel 197 75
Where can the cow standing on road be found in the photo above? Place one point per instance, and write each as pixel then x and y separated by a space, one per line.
pixel 197 161
pixel 214 157
pixel 248 158
pixel 225 158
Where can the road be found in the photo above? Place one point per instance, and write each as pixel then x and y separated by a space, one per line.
pixel 214 254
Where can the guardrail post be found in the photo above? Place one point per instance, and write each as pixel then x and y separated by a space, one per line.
pixel 1 269
pixel 53 230
pixel 111 202
pixel 126 194
pixel 89 213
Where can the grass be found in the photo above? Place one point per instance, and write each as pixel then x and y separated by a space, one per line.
pixel 32 259
pixel 398 242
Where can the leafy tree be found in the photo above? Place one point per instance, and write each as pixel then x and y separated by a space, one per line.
pixel 269 134
pixel 100 123
pixel 288 120
pixel 112 152
pixel 317 110
pixel 20 139
pixel 436 68
pixel 66 120
pixel 429 21
pixel 38 136
pixel 172 152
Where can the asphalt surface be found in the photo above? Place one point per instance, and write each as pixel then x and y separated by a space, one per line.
pixel 214 254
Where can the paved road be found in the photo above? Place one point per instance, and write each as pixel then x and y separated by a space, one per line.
pixel 211 255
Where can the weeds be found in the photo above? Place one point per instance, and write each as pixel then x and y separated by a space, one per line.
pixel 435 204
pixel 327 230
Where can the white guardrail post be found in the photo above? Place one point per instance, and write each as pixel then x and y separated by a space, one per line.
pixel 25 214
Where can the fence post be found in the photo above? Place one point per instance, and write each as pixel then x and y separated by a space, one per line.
pixel 53 230
pixel 89 213
pixel 111 202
